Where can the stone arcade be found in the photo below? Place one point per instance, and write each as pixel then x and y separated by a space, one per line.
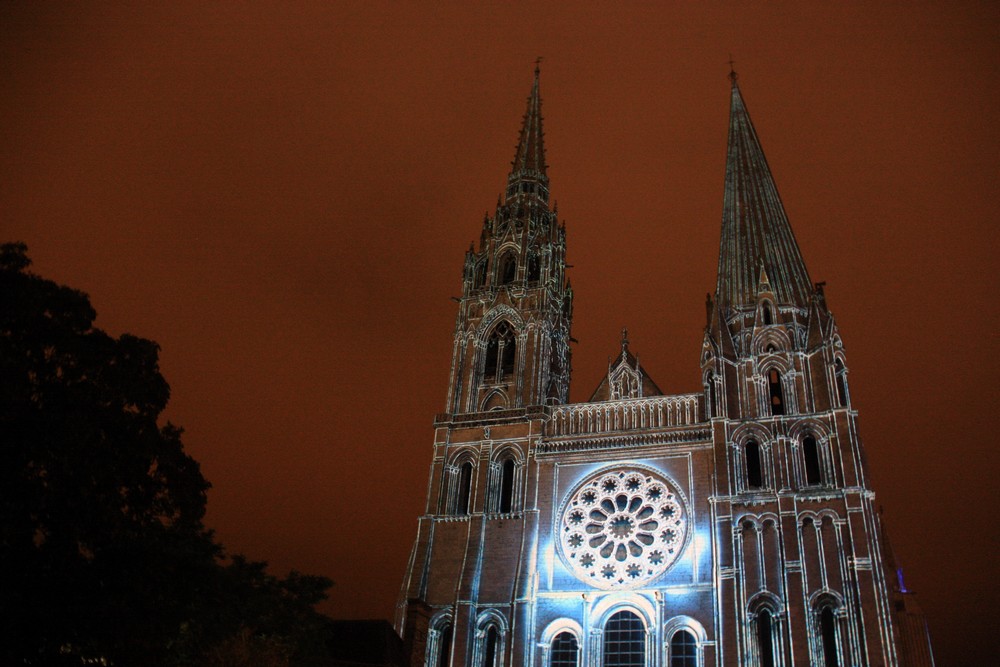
pixel 732 526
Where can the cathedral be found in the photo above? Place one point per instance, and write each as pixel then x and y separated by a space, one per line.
pixel 731 526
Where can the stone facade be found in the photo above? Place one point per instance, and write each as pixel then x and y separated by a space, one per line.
pixel 734 526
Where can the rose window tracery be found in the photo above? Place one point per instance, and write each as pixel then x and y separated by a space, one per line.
pixel 622 528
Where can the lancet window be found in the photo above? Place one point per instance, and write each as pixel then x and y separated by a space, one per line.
pixel 765 313
pixel 763 631
pixel 754 469
pixel 491 647
pixel 479 275
pixel 841 377
pixel 534 269
pixel 810 452
pixel 464 489
pixel 501 353
pixel 777 396
pixel 440 649
pixel 507 268
pixel 503 484
pixel 828 636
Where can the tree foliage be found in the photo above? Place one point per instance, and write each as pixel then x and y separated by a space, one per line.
pixel 102 546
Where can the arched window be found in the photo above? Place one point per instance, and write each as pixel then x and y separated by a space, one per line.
pixel 755 477
pixel 828 635
pixel 683 649
pixel 464 489
pixel 534 269
pixel 443 647
pixel 774 389
pixel 810 450
pixel 765 313
pixel 501 349
pixel 507 269
pixel 624 641
pixel 841 374
pixel 479 275
pixel 507 486
pixel 765 638
pixel 713 394
pixel 565 651
pixel 491 647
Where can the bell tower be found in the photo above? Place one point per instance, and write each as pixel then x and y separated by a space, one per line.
pixel 798 533
pixel 512 332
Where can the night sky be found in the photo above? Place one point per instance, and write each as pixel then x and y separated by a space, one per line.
pixel 281 195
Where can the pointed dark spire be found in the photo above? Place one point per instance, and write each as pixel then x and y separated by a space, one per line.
pixel 756 235
pixel 527 173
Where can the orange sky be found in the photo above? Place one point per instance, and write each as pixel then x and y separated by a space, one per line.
pixel 281 196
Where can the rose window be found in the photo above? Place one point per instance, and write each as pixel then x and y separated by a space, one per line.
pixel 622 528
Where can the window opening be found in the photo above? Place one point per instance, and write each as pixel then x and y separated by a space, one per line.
pixel 716 411
pixel 479 278
pixel 828 630
pixel 683 650
pixel 534 268
pixel 777 397
pixel 624 641
pixel 492 641
pixel 500 354
pixel 565 651
pixel 507 486
pixel 841 374
pixel 444 647
pixel 765 639
pixel 508 269
pixel 766 313
pixel 755 478
pixel 464 488
pixel 811 452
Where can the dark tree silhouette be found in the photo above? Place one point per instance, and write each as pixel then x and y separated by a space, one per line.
pixel 103 553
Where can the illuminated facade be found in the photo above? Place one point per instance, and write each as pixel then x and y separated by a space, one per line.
pixel 732 526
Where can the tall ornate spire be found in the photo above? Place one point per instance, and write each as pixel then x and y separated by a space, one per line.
pixel 527 173
pixel 756 236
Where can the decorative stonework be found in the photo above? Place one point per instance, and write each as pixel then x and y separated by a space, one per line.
pixel 622 528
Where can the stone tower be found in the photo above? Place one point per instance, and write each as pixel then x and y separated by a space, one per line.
pixel 731 526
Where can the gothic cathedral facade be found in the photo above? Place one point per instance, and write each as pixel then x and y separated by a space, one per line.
pixel 731 526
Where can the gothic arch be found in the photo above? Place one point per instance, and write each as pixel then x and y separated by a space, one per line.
pixel 826 632
pixel 768 313
pixel 506 465
pixel 506 265
pixel 501 311
pixel 491 638
pixel 752 460
pixel 764 627
pixel 500 349
pixel 440 639
pixel 813 464
pixel 495 400
pixel 459 482
pixel 775 336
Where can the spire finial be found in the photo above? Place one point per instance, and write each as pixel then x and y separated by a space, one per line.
pixel 732 71
pixel 624 339
pixel 538 62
